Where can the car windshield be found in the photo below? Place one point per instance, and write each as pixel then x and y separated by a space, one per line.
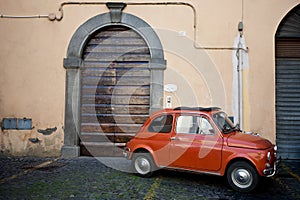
pixel 223 122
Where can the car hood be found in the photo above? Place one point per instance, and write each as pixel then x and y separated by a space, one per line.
pixel 243 140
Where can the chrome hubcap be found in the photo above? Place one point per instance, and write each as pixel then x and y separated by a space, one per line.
pixel 142 165
pixel 241 178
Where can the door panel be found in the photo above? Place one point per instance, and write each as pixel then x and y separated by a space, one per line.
pixel 202 152
pixel 184 150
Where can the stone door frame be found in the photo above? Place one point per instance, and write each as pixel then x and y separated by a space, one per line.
pixel 73 62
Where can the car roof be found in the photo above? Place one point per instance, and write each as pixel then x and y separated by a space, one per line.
pixel 207 109
pixel 184 109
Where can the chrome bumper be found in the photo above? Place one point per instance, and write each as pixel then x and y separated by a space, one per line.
pixel 126 152
pixel 269 172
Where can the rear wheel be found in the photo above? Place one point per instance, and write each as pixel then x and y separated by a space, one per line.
pixel 143 164
pixel 242 176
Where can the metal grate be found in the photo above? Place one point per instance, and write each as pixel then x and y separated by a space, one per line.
pixel 288 108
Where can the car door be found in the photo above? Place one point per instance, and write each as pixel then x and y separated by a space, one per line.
pixel 158 138
pixel 196 144
pixel 210 152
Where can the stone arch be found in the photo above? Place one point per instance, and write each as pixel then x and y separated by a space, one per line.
pixel 73 61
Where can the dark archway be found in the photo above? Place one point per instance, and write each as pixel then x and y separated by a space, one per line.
pixel 287 44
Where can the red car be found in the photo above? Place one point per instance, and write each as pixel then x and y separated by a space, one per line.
pixel 201 140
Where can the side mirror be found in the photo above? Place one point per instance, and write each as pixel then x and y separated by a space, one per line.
pixel 237 126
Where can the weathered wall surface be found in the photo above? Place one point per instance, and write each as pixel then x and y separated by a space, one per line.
pixel 32 77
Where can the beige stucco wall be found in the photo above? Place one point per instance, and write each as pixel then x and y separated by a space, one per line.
pixel 260 29
pixel 32 78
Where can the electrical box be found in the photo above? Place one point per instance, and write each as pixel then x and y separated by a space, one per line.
pixel 17 124
pixel 9 123
pixel 169 102
pixel 24 124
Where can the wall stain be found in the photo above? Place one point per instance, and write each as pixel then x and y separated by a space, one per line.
pixel 47 131
pixel 34 140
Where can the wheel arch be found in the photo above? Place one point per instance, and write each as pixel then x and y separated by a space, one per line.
pixel 141 150
pixel 238 159
pixel 145 150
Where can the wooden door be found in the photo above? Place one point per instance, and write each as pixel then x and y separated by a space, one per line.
pixel 115 90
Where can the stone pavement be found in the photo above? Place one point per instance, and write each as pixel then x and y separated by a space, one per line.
pixel 109 178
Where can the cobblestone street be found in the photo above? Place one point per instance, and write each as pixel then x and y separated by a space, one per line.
pixel 89 178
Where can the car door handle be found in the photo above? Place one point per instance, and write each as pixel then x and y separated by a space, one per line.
pixel 174 138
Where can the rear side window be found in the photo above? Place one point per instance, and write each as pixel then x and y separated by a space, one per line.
pixel 161 124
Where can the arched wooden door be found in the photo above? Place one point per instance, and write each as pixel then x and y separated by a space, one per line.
pixel 115 90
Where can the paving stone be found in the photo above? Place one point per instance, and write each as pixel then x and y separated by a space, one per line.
pixel 106 178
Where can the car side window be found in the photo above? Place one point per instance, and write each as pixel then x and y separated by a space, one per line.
pixel 194 125
pixel 161 124
pixel 205 127
pixel 184 124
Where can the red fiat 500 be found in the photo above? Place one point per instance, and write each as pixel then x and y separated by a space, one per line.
pixel 201 140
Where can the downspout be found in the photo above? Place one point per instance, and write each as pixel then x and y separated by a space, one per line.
pixel 60 15
pixel 240 76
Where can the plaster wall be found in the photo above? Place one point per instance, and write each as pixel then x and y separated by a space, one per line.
pixel 32 78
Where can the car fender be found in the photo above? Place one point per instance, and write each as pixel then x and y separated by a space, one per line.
pixel 229 159
pixel 144 148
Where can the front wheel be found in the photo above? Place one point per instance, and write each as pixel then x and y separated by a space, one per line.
pixel 242 176
pixel 143 164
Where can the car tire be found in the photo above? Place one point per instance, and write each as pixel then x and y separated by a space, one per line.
pixel 242 176
pixel 142 164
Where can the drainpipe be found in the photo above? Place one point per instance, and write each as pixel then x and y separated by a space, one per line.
pixel 60 15
pixel 240 75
